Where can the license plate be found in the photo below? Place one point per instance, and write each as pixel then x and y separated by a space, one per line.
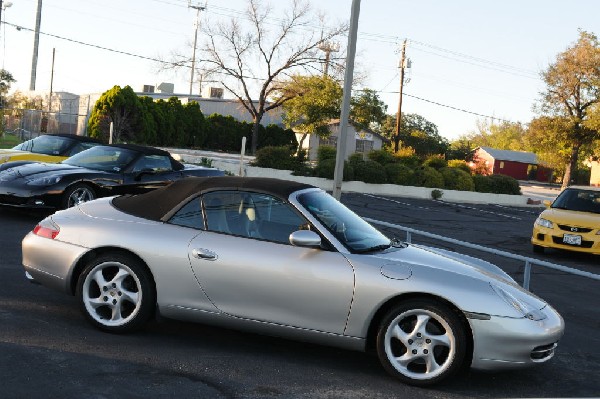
pixel 572 239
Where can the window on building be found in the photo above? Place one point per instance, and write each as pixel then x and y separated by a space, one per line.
pixel 364 146
pixel 501 164
pixel 330 140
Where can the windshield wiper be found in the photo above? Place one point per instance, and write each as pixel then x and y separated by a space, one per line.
pixel 374 248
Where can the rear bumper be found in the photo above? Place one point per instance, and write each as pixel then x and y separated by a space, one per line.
pixel 50 262
pixel 507 343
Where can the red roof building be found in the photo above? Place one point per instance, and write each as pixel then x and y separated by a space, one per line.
pixel 518 164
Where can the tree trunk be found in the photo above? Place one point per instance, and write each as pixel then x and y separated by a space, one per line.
pixel 571 170
pixel 301 143
pixel 256 122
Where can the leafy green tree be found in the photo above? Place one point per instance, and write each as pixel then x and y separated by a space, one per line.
pixel 195 125
pixel 122 107
pixel 314 101
pixel 367 110
pixel 6 79
pixel 503 136
pixel 148 133
pixel 422 135
pixel 572 88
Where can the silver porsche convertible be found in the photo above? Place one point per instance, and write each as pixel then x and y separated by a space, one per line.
pixel 286 259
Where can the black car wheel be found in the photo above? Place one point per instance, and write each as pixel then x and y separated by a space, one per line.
pixel 116 293
pixel 538 249
pixel 77 194
pixel 421 342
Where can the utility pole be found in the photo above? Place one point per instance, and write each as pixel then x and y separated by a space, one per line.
pixel 403 65
pixel 36 43
pixel 328 48
pixel 196 25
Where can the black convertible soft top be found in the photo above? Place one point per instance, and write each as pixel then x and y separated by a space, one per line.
pixel 155 205
pixel 141 148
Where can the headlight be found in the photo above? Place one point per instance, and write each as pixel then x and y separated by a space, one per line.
pixel 544 223
pixel 519 304
pixel 44 181
pixel 4 158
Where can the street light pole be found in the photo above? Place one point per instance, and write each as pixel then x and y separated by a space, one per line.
pixel 36 43
pixel 198 9
pixel 338 174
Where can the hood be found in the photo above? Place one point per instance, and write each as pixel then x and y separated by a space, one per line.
pixel 10 153
pixel 434 258
pixel 576 218
pixel 38 169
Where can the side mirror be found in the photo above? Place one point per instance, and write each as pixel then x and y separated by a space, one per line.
pixel 547 203
pixel 305 238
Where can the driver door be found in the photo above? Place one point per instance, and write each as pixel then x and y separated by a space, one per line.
pixel 247 267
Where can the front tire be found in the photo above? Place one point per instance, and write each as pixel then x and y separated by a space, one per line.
pixel 116 293
pixel 422 342
pixel 538 249
pixel 77 194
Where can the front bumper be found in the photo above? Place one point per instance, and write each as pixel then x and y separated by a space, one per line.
pixel 553 238
pixel 50 262
pixel 507 343
pixel 20 196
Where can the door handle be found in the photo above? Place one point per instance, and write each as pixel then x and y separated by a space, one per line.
pixel 205 254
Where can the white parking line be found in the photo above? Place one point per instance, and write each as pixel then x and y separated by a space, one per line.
pixel 446 203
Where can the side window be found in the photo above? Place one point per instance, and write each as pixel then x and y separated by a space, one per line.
pixel 251 215
pixel 190 215
pixel 157 163
pixel 80 147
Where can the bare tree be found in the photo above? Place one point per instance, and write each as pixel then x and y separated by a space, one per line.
pixel 254 60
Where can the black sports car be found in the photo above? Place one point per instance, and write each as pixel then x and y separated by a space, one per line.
pixel 100 171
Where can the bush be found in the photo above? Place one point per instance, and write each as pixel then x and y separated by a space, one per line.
pixel 356 159
pixel 382 156
pixel 398 174
pixel 435 162
pixel 483 184
pixel 369 172
pixel 427 177
pixel 497 184
pixel 276 158
pixel 436 194
pixel 457 179
pixel 459 164
pixel 325 152
pixel 326 169
pixel 502 184
pixel 412 161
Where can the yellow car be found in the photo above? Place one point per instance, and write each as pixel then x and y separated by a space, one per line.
pixel 571 222
pixel 46 148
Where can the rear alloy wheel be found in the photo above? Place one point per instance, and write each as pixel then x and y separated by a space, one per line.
pixel 421 342
pixel 77 194
pixel 116 293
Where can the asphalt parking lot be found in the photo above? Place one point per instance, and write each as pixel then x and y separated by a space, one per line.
pixel 49 350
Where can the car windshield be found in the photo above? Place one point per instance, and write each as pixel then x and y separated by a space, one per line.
pixel 578 200
pixel 108 159
pixel 48 145
pixel 351 230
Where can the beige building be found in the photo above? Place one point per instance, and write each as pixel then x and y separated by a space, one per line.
pixel 359 140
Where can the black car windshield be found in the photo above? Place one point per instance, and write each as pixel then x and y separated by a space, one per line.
pixel 108 159
pixel 48 145
pixel 574 199
pixel 352 231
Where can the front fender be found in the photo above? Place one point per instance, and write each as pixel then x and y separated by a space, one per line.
pixel 13 164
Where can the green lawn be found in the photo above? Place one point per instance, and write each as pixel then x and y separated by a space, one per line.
pixel 9 141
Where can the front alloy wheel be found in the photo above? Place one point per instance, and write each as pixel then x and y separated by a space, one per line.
pixel 421 342
pixel 116 293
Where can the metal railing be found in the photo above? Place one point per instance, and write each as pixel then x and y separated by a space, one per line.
pixel 528 261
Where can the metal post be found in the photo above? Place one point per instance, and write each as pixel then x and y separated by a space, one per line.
pixel 341 145
pixel 198 9
pixel 241 173
pixel 527 275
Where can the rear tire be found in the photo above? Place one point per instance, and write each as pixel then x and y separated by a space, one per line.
pixel 116 293
pixel 422 342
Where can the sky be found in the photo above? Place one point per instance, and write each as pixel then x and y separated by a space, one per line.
pixel 472 61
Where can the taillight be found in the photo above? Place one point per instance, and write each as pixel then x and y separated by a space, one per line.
pixel 46 229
